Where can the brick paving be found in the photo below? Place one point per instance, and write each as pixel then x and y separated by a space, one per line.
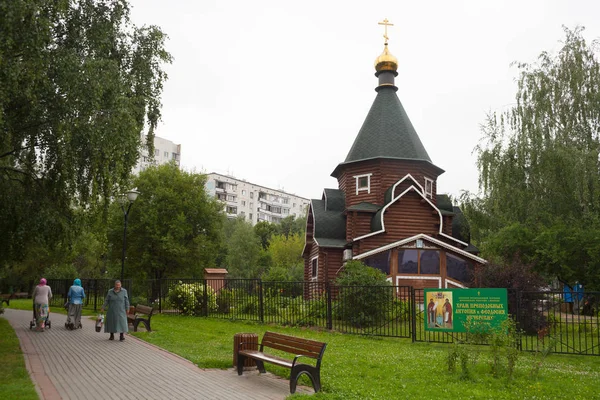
pixel 84 364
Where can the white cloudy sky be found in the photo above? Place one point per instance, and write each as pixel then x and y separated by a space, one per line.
pixel 275 92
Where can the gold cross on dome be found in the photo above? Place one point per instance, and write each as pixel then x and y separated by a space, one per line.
pixel 386 23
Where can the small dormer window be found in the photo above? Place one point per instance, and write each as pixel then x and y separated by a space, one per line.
pixel 428 188
pixel 363 183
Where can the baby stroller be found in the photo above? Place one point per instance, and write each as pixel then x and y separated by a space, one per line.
pixel 32 324
pixel 70 325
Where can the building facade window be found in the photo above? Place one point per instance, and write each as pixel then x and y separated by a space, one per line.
pixel 429 188
pixel 363 183
pixel 411 261
pixel 243 203
pixel 314 268
pixel 231 210
pixel 251 195
pixel 243 192
pixel 458 269
pixel 380 261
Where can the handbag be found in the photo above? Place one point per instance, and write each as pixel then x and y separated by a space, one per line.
pixel 99 322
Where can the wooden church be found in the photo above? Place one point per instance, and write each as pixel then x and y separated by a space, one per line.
pixel 386 212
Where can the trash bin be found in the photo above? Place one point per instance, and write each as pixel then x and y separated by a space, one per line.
pixel 250 341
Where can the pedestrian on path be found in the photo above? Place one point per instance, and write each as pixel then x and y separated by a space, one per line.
pixel 117 302
pixel 41 300
pixel 75 297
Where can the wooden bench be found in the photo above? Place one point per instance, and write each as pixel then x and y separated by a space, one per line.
pixel 299 347
pixel 5 298
pixel 139 314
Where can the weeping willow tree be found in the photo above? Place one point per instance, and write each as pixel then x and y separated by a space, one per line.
pixel 539 165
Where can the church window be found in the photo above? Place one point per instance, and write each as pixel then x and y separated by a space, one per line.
pixel 363 183
pixel 408 261
pixel 429 262
pixel 428 188
pixel 458 269
pixel 380 261
pixel 411 261
pixel 314 270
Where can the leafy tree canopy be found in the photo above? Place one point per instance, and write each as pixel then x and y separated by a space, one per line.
pixel 286 257
pixel 78 85
pixel 243 250
pixel 539 164
pixel 174 227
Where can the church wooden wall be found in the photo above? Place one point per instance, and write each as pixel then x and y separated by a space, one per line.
pixel 358 224
pixel 407 217
pixel 385 173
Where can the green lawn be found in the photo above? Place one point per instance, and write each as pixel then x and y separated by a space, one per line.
pixel 14 378
pixel 356 367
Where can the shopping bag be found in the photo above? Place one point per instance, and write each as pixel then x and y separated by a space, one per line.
pixel 99 322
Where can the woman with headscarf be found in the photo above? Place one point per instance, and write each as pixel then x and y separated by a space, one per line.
pixel 75 297
pixel 41 299
pixel 117 302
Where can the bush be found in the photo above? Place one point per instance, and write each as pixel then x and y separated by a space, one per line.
pixel 364 295
pixel 189 298
pixel 224 301
pixel 139 300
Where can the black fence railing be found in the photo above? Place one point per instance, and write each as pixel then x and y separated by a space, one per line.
pixel 394 311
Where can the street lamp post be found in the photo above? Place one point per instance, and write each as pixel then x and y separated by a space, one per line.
pixel 130 197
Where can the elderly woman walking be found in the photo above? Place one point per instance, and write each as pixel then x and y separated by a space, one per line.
pixel 75 297
pixel 41 299
pixel 117 302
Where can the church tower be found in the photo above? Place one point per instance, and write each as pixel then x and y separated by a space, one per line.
pixel 386 211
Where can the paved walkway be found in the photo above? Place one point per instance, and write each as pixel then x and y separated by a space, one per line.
pixel 83 364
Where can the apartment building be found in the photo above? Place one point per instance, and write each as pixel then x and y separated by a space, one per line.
pixel 164 151
pixel 254 202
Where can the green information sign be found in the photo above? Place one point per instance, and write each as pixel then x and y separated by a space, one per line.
pixel 453 310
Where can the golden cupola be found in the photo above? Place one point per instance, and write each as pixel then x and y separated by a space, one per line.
pixel 386 61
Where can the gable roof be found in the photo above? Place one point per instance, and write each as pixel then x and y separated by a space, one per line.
pixel 329 225
pixel 386 133
pixel 335 200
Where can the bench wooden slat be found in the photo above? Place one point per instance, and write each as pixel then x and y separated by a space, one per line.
pixel 267 357
pixel 306 347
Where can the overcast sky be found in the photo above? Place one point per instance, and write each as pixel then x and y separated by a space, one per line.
pixel 275 92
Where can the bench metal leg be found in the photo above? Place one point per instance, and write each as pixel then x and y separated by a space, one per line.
pixel 313 373
pixel 137 322
pixel 261 366
pixel 240 363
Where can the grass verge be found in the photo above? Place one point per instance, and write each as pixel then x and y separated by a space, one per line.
pixel 358 367
pixel 15 382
